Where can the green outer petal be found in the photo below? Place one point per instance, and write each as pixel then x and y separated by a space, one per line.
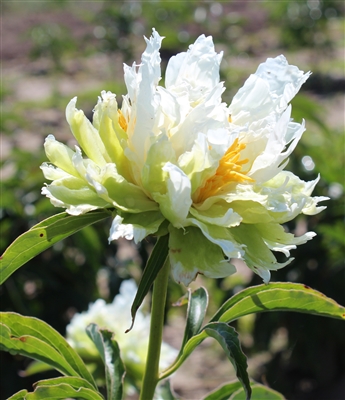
pixel 258 255
pixel 219 214
pixel 52 173
pixel 76 201
pixel 135 226
pixel 252 212
pixel 277 239
pixel 60 155
pixel 175 204
pixel 153 176
pixel 220 236
pixel 86 134
pixel 289 196
pixel 190 253
pixel 105 119
pixel 198 164
pixel 115 189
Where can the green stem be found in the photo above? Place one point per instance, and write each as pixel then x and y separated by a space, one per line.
pixel 151 375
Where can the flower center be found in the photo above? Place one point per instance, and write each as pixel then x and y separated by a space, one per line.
pixel 122 121
pixel 229 171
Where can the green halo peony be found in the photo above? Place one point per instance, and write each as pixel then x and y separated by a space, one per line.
pixel 178 160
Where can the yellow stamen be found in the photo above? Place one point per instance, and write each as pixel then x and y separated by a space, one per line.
pixel 229 171
pixel 122 121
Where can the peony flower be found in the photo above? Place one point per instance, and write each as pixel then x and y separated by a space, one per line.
pixel 178 160
pixel 116 316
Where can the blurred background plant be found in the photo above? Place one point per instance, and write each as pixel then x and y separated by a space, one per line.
pixel 52 51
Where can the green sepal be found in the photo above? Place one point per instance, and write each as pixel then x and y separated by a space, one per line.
pixel 110 354
pixel 42 236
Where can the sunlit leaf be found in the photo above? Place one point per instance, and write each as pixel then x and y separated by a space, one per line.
pixel 19 395
pixel 63 391
pixel 278 297
pixel 73 381
pixel 36 339
pixel 32 347
pixel 42 236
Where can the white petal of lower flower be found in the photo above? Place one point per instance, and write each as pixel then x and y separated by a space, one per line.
pixel 116 316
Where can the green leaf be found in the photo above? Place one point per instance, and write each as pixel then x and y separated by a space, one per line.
pixel 63 391
pixel 60 388
pixel 197 306
pixel 154 265
pixel 59 353
pixel 259 392
pixel 227 337
pixel 110 354
pixel 19 395
pixel 225 391
pixel 42 236
pixel 73 381
pixel 278 297
pixel 34 348
pixel 232 348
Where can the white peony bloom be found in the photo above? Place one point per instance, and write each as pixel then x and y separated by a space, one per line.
pixel 116 317
pixel 179 160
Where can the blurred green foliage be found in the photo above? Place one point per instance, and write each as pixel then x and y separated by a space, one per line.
pixel 75 272
pixel 305 23
pixel 52 41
